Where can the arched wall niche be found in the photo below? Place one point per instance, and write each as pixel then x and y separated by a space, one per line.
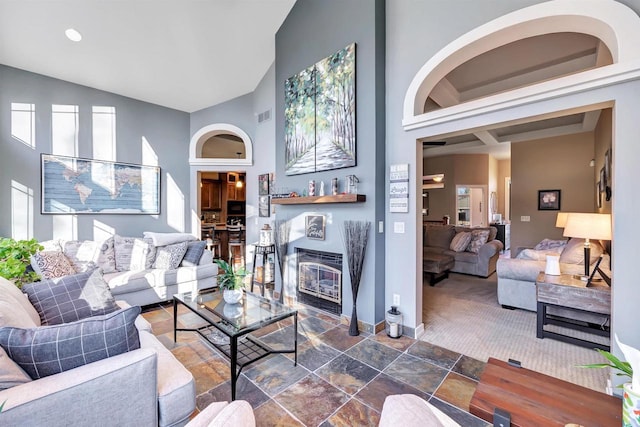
pixel 204 134
pixel 612 22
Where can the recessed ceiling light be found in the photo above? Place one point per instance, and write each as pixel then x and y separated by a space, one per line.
pixel 73 35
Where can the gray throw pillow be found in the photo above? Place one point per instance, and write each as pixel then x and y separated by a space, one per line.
pixel 169 257
pixel 133 253
pixel 193 254
pixel 49 350
pixel 71 298
pixel 478 238
pixel 461 241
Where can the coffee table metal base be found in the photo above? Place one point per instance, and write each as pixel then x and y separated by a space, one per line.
pixel 241 350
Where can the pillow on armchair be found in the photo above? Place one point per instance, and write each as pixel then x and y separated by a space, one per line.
pixel 71 298
pixel 49 350
pixel 573 253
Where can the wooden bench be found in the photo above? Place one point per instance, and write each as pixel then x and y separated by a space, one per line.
pixel 534 399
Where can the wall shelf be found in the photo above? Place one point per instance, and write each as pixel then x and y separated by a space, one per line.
pixel 340 198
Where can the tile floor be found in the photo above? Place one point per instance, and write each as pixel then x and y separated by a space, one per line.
pixel 340 380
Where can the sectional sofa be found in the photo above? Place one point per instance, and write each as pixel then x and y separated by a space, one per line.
pixel 139 270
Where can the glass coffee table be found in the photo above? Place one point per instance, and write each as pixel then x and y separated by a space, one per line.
pixel 229 325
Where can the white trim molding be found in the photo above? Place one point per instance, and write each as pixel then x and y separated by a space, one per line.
pixel 613 23
pixel 202 135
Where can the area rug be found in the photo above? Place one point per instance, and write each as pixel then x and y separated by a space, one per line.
pixel 462 314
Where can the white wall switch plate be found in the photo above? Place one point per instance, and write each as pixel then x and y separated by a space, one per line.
pixel 380 226
pixel 398 227
pixel 526 218
pixel 396 300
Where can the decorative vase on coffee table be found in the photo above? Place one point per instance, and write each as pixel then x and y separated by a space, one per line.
pixel 232 296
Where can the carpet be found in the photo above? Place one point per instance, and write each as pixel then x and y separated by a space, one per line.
pixel 462 314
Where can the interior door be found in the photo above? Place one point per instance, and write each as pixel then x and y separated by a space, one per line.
pixel 477 207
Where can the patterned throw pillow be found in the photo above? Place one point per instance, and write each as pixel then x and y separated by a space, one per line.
pixel 169 257
pixel 133 253
pixel 193 254
pixel 550 244
pixel 51 264
pixel 49 350
pixel 107 256
pixel 460 241
pixel 478 238
pixel 71 298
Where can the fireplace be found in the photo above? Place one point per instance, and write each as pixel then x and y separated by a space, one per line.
pixel 320 279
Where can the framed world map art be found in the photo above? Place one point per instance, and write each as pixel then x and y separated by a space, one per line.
pixel 72 185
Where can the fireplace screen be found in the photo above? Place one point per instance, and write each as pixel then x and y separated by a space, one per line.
pixel 320 281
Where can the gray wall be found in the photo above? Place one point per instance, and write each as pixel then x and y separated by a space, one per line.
pixel 312 31
pixel 165 129
pixel 415 32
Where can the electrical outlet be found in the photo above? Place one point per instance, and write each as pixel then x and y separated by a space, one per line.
pixel 525 218
pixel 396 300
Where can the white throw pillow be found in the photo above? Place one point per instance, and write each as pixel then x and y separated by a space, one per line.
pixel 164 239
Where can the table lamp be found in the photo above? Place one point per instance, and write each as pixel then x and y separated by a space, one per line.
pixel 561 219
pixel 588 226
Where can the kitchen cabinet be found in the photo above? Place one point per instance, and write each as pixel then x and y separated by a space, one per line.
pixel 233 191
pixel 210 196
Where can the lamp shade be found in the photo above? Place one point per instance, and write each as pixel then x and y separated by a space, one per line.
pixel 561 219
pixel 588 226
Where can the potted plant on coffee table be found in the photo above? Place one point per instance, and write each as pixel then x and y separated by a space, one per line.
pixel 231 282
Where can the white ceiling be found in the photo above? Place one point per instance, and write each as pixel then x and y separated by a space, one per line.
pixel 182 54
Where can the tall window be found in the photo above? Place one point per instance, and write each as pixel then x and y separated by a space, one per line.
pixel 23 123
pixel 64 130
pixel 21 211
pixel 104 133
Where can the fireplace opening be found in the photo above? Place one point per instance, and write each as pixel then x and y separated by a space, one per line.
pixel 320 279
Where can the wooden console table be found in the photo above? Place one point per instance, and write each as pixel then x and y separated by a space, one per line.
pixel 568 292
pixel 534 399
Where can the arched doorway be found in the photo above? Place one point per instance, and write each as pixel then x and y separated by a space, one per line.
pixel 219 155
pixel 611 23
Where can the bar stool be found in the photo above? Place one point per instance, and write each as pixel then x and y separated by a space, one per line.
pixel 213 241
pixel 236 241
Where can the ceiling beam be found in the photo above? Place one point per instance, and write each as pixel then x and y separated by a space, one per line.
pixel 543 133
pixel 444 94
pixel 590 120
pixel 487 137
pixel 558 69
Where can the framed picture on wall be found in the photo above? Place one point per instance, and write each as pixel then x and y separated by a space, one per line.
pixel 548 200
pixel 263 184
pixel 263 206
pixel 314 226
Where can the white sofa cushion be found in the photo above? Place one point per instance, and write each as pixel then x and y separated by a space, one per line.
pixel 19 312
pixel 164 239
pixel 10 373
pixel 176 386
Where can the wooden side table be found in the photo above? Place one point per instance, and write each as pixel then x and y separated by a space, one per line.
pixel 534 399
pixel 568 292
pixel 265 251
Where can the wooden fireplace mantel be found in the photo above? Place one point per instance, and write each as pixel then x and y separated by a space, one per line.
pixel 339 198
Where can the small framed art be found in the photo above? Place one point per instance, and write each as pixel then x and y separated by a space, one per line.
pixel 548 200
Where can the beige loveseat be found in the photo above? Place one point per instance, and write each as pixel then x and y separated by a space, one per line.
pixel 128 265
pixel 143 387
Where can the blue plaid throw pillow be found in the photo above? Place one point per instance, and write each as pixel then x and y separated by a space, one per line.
pixel 71 298
pixel 49 350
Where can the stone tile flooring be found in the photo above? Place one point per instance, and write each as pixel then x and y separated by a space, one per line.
pixel 340 380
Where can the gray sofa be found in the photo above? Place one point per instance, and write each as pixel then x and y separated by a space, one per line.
pixel 517 276
pixel 141 285
pixel 437 240
pixel 143 387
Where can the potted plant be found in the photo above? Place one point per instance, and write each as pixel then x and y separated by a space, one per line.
pixel 231 282
pixel 15 260
pixel 631 390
